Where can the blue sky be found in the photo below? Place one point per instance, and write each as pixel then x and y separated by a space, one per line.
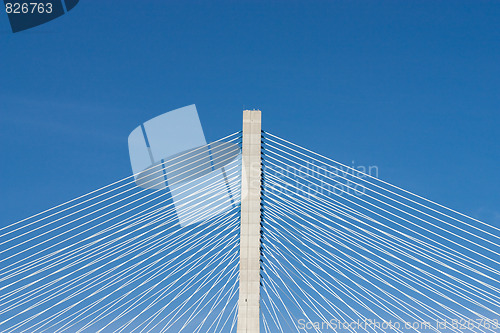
pixel 411 87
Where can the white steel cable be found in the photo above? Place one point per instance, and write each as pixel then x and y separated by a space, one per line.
pixel 232 293
pixel 400 210
pixel 432 310
pixel 308 296
pixel 186 184
pixel 342 274
pixel 318 207
pixel 117 258
pixel 201 299
pixel 391 185
pixel 460 255
pixel 346 266
pixel 216 302
pixel 371 240
pixel 325 281
pixel 196 264
pixel 303 280
pixel 275 292
pixel 219 241
pixel 118 245
pixel 161 177
pixel 166 264
pixel 109 185
pixel 275 319
pixel 291 292
pixel 107 229
pixel 375 297
pixel 366 258
pixel 235 317
pixel 393 264
pixel 186 283
pixel 206 282
pixel 128 269
pixel 419 226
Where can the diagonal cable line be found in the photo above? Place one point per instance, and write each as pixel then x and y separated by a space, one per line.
pixel 274 249
pixel 314 208
pixel 336 246
pixel 102 258
pixel 212 259
pixel 388 184
pixel 233 291
pixel 371 241
pixel 135 265
pixel 160 177
pixel 109 185
pixel 173 271
pixel 461 256
pixel 122 256
pixel 346 267
pixel 208 281
pixel 283 237
pixel 146 259
pixel 407 213
pixel 412 223
pixel 340 244
pixel 399 267
pixel 107 229
pixel 162 294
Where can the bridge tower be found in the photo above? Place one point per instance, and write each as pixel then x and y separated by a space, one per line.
pixel 249 297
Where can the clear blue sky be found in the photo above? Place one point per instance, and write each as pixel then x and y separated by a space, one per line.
pixel 412 87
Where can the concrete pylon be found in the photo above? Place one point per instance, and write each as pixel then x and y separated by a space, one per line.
pixel 249 298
